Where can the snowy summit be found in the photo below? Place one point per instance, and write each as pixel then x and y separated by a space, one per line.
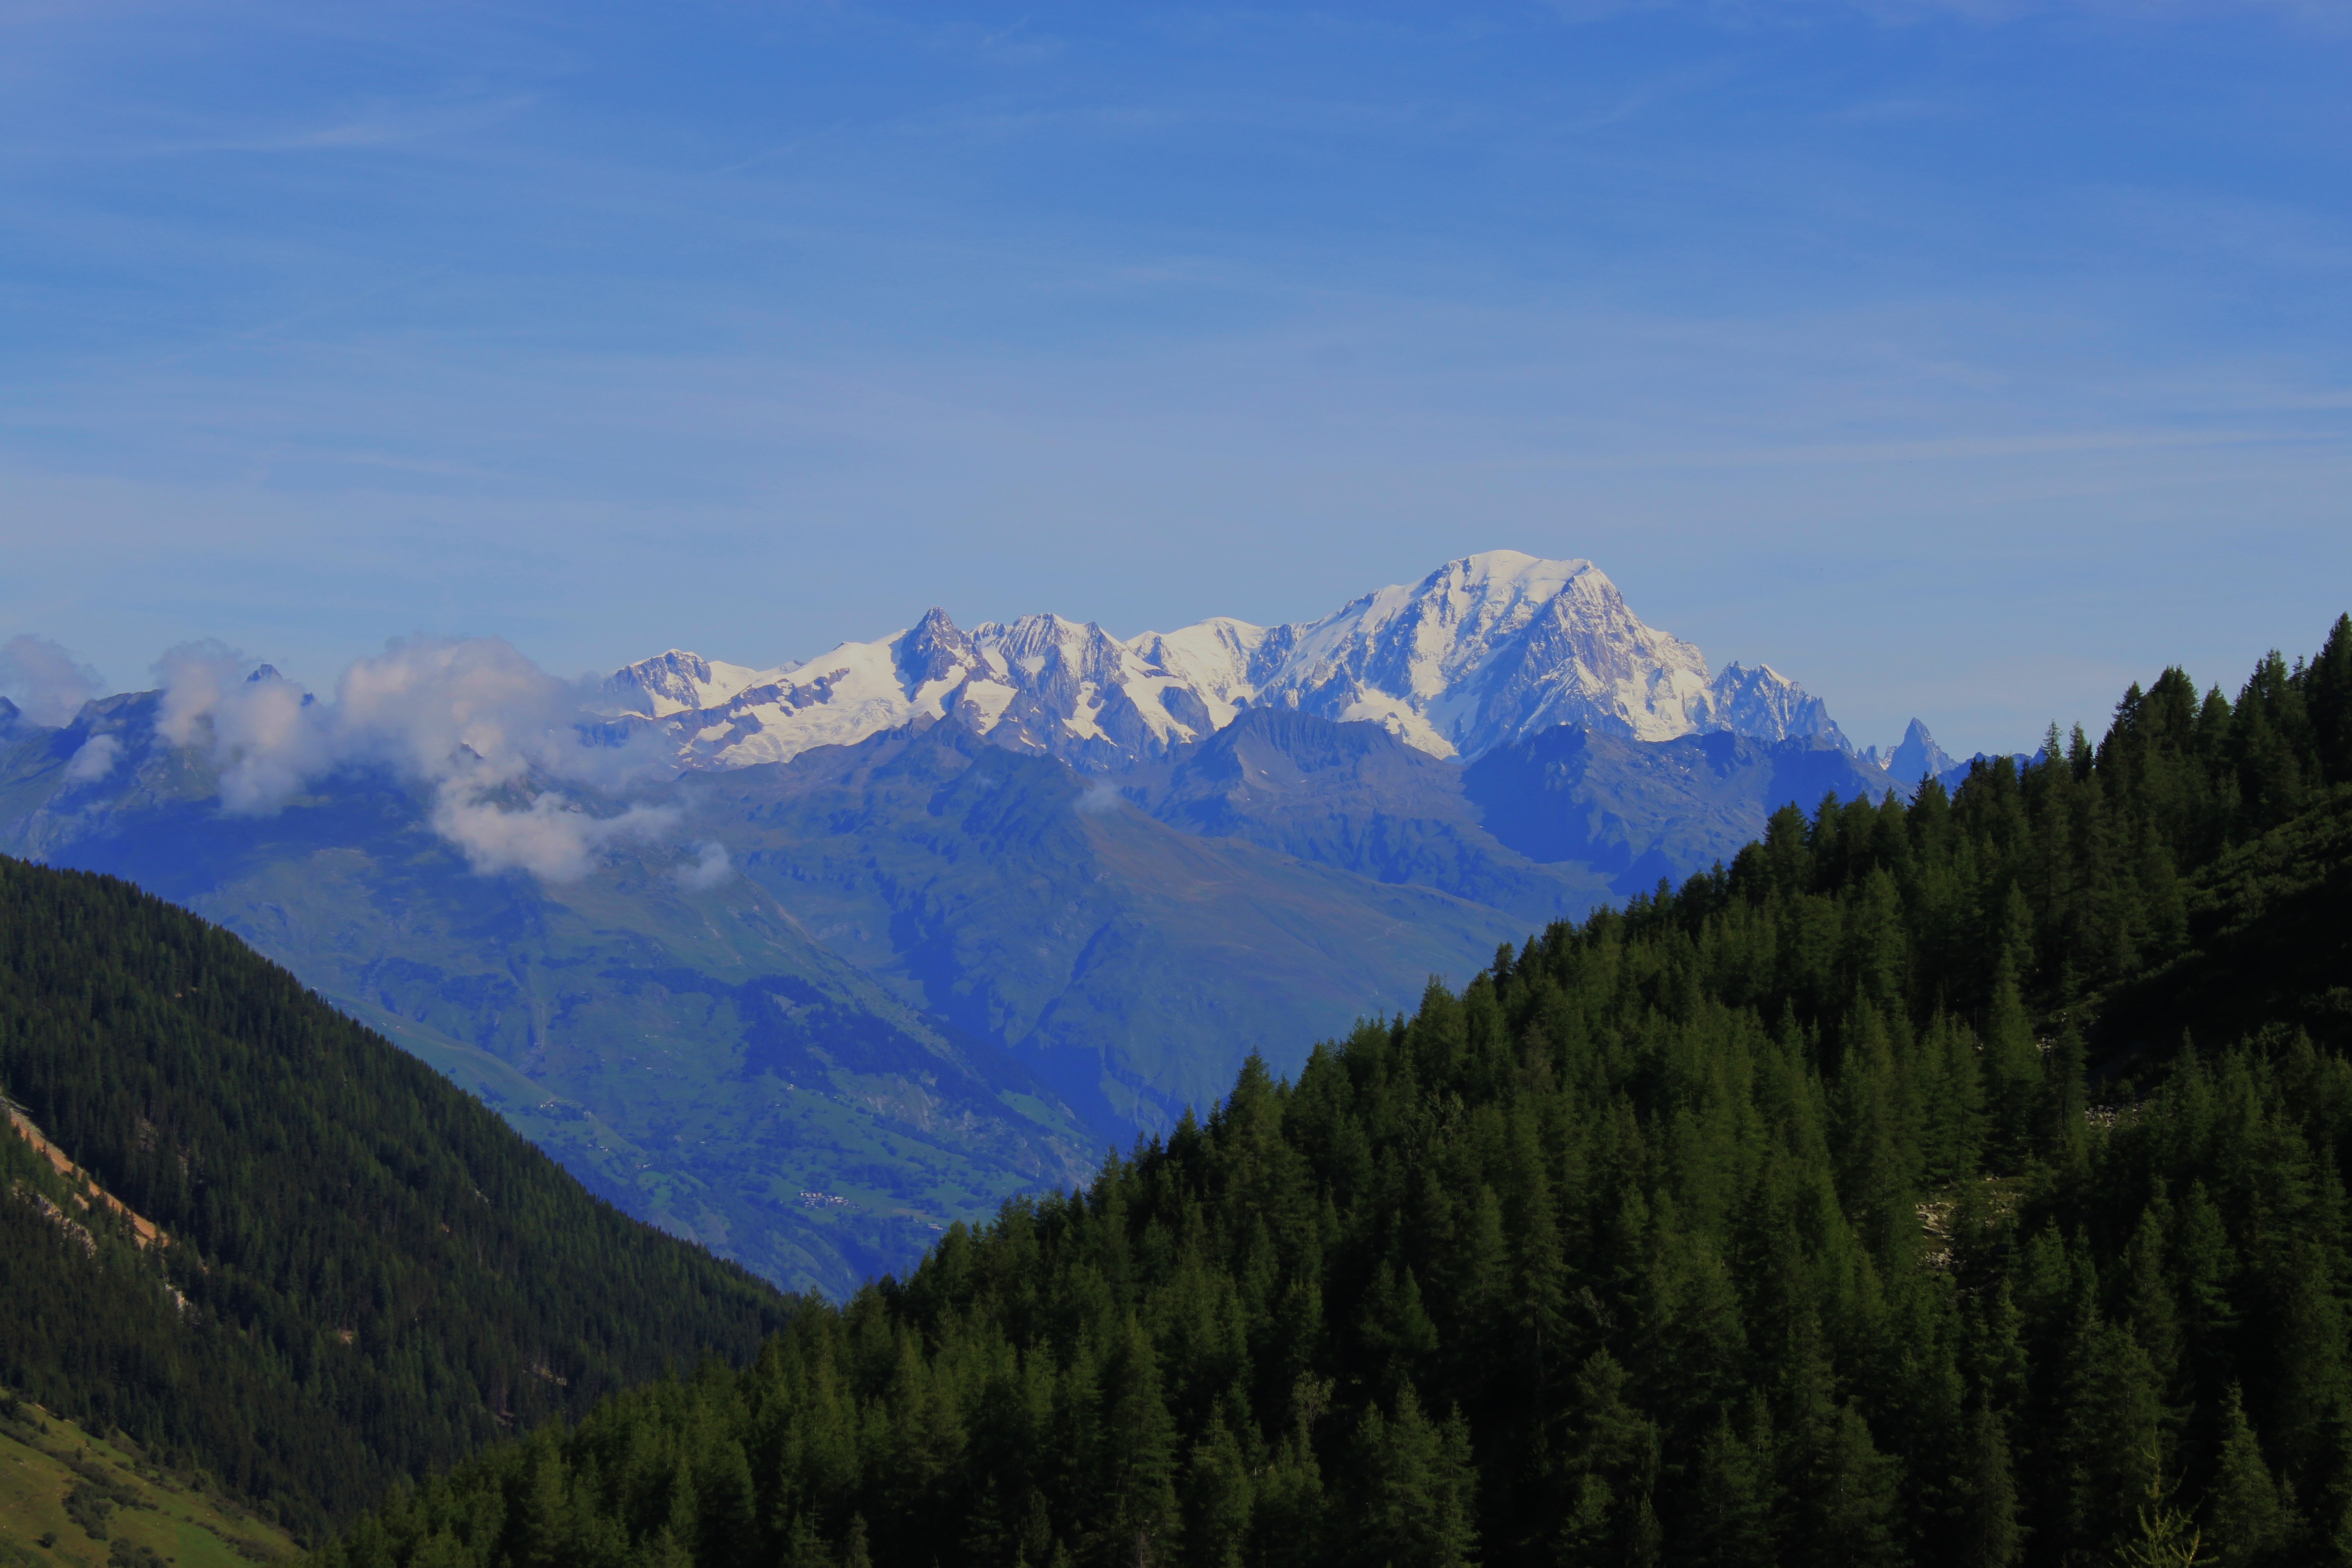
pixel 1483 651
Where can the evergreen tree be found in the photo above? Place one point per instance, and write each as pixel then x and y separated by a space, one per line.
pixel 2248 1523
pixel 1417 1489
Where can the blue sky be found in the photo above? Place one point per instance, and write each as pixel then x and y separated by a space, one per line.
pixel 1964 361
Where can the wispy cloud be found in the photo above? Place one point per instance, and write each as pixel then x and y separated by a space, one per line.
pixel 378 126
pixel 707 870
pixel 496 739
pixel 93 760
pixel 753 330
pixel 47 683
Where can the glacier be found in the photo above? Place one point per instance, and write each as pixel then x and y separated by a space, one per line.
pixel 1486 650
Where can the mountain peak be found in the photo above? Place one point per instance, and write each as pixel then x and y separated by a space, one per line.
pixel 1514 567
pixel 934 648
pixel 1484 649
pixel 1761 701
pixel 1915 757
pixel 677 682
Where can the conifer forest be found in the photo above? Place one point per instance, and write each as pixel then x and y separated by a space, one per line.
pixel 353 1273
pixel 1957 1183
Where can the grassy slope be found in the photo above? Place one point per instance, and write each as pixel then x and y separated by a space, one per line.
pixel 185 1521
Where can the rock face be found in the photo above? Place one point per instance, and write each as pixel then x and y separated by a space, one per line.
pixel 1483 651
pixel 1489 648
pixel 1915 757
pixel 1765 703
pixel 676 682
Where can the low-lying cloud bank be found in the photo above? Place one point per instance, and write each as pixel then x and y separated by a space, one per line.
pixel 496 739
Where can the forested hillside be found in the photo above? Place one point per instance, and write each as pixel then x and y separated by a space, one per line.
pixel 1779 1218
pixel 363 1273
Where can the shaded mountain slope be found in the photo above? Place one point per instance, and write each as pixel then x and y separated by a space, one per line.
pixel 1135 964
pixel 1638 811
pixel 927 971
pixel 2269 943
pixel 1354 797
pixel 1547 827
pixel 687 1050
pixel 362 1272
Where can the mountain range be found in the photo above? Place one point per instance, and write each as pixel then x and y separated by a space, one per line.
pixel 1485 650
pixel 1942 1185
pixel 808 962
pixel 1948 1182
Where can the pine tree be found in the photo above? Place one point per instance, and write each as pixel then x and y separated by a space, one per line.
pixel 2150 1307
pixel 1728 1522
pixel 2327 687
pixel 1842 1491
pixel 542 1527
pixel 2160 1536
pixel 2115 1434
pixel 1218 1497
pixel 1417 1492
pixel 1608 1465
pixel 854 1551
pixel 1289 1519
pixel 2248 1523
pixel 2012 1061
pixel 1138 1478
pixel 1986 1534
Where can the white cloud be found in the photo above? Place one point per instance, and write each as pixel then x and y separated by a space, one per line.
pixel 710 869
pixel 495 737
pixel 45 679
pixel 265 734
pixel 553 838
pixel 94 760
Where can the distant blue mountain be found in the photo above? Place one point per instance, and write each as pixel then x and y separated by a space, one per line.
pixel 916 925
pixel 931 971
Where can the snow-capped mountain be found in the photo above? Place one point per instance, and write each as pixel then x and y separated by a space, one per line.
pixel 678 682
pixel 1485 650
pixel 1040 683
pixel 1763 702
